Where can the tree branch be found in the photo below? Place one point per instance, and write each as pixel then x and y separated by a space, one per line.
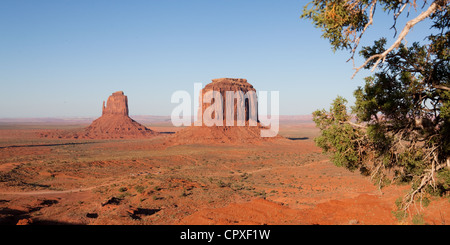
pixel 355 124
pixel 410 24
pixel 441 87
pixel 370 22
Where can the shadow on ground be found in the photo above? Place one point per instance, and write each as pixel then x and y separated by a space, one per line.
pixel 299 138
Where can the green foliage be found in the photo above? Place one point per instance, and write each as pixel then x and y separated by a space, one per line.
pixel 425 202
pixel 400 215
pixel 418 219
pixel 400 122
pixel 337 136
pixel 335 20
pixel 442 183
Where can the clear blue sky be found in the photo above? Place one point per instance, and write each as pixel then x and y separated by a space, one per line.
pixel 62 58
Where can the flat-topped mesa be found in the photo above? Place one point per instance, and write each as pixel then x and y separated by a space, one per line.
pixel 117 104
pixel 230 80
pixel 246 130
pixel 237 94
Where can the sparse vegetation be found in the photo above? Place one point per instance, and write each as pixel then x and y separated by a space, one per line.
pixel 418 219
pixel 121 186
pixel 139 188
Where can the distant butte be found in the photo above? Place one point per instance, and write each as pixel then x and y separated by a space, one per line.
pixel 224 134
pixel 222 85
pixel 114 123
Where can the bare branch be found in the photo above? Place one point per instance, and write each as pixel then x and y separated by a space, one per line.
pixel 396 15
pixel 410 24
pixel 441 87
pixel 369 23
pixel 426 179
pixel 401 10
pixel 356 125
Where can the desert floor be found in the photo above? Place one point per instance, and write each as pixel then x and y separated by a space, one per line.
pixel 146 182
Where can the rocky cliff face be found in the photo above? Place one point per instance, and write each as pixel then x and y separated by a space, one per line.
pixel 245 134
pixel 239 100
pixel 117 104
pixel 115 122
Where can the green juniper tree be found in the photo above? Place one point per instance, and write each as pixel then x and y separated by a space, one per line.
pixel 399 128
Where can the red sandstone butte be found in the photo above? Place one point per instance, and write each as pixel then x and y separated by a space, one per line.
pixel 222 85
pixel 117 105
pixel 249 133
pixel 114 123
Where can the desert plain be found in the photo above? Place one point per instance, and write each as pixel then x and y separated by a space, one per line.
pixel 148 181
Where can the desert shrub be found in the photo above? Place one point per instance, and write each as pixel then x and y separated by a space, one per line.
pixel 139 188
pixel 222 184
pixel 418 219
